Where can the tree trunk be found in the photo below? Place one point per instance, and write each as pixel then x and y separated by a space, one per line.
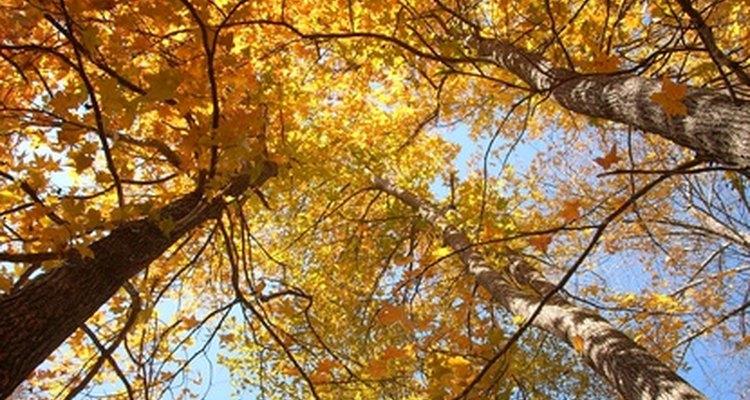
pixel 36 319
pixel 628 367
pixel 715 127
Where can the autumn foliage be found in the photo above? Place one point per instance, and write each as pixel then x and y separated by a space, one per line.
pixel 269 188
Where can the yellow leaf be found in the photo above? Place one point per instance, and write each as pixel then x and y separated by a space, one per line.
pixel 144 315
pixel 441 252
pixel 458 362
pixel 7 195
pixel 50 265
pixel 166 226
pixel 664 302
pixel 5 284
pixel 85 251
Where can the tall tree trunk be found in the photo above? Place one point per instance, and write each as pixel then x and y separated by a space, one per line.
pixel 715 127
pixel 628 367
pixel 36 319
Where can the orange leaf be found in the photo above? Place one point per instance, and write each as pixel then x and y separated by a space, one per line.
pixel 393 353
pixel 605 63
pixel 392 314
pixel 376 369
pixel 670 98
pixel 226 338
pixel 82 160
pixel 318 378
pixel 569 210
pixel 104 4
pixel 403 260
pixel 541 242
pixel 5 284
pixel 326 365
pixel 608 159
pixel 190 322
pixel 577 343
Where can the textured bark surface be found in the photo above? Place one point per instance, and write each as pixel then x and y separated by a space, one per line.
pixel 715 127
pixel 36 319
pixel 630 369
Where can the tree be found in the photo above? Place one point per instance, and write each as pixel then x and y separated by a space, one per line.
pixel 193 172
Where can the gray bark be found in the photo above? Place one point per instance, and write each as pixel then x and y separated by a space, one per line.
pixel 715 127
pixel 629 368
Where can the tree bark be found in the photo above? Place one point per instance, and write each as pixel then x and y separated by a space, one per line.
pixel 715 127
pixel 37 319
pixel 629 368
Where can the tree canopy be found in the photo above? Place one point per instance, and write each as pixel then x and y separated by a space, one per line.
pixel 281 187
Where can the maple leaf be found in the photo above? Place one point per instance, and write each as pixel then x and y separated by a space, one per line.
pixel 8 196
pixel 318 378
pixel 569 211
pixel 227 338
pixel 144 315
pixel 577 343
pixel 541 242
pixel 166 225
pixel 69 136
pixel 82 160
pixel 402 259
pixel 392 353
pixel 85 251
pixel 377 369
pixel 104 4
pixel 441 252
pixel 326 365
pixel 72 207
pixel 394 314
pixel 670 98
pixel 5 284
pixel 605 63
pixel 608 159
pixel 163 84
pixel 93 217
pixel 190 322
pixel 50 265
